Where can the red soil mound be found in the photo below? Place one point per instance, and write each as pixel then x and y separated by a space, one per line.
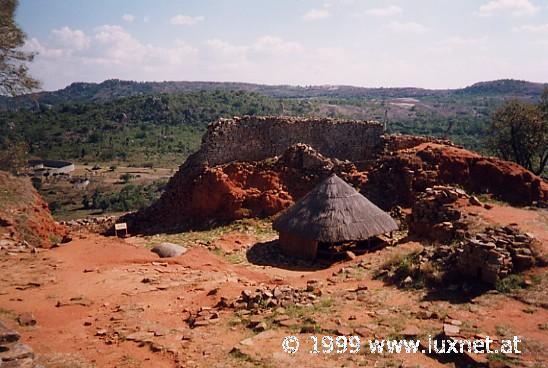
pixel 405 172
pixel 24 216
pixel 200 196
pixel 208 195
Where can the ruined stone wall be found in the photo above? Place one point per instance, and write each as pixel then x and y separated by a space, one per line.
pixel 258 138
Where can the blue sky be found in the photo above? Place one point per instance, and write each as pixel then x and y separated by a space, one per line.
pixel 423 43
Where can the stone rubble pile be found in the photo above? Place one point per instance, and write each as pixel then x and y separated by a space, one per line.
pixel 14 354
pixel 435 215
pixel 98 225
pixel 265 297
pixel 12 247
pixel 303 156
pixel 203 317
pixel 495 253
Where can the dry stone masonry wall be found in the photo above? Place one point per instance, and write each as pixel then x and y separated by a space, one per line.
pixel 253 138
pixel 495 253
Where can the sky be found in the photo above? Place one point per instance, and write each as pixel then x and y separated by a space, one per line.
pixel 369 43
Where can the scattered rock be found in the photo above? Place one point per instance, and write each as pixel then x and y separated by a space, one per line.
pixel 451 330
pixel 101 332
pixel 79 300
pixel 265 297
pixel 261 336
pixel 474 201
pixel 292 322
pixel 26 319
pixel 7 335
pixel 410 331
pixel 140 336
pixel 261 326
pixel 12 352
pixel 350 255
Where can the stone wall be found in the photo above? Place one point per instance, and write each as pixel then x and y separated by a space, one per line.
pixel 435 215
pixel 495 253
pixel 252 138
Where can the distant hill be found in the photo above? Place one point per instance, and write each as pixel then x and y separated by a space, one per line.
pixel 114 88
pixel 161 123
pixel 506 87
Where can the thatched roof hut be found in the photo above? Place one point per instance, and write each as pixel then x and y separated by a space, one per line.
pixel 332 212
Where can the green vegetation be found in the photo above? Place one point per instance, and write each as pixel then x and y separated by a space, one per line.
pixel 510 284
pixel 160 130
pixel 260 229
pixel 14 76
pixel 160 124
pixel 401 266
pixel 13 156
pixel 131 197
pixel 519 132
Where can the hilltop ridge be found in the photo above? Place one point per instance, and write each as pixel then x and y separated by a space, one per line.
pixel 116 88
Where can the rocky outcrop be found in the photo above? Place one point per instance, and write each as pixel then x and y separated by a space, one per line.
pixel 399 175
pixel 25 219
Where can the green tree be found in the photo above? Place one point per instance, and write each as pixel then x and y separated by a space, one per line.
pixel 14 77
pixel 14 156
pixel 519 132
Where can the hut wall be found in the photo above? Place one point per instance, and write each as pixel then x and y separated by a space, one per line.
pixel 294 246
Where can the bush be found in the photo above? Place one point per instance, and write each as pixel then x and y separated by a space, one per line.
pixel 36 183
pixel 126 177
pixel 510 284
pixel 131 197
pixel 54 206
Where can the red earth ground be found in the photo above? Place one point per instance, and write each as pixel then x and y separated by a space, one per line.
pixel 90 295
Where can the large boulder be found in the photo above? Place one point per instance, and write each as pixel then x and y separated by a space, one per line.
pixel 167 250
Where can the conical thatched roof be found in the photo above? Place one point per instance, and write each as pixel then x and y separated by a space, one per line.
pixel 334 212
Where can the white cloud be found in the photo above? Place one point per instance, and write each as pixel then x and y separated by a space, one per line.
pixel 316 14
pixel 388 11
pixel 513 7
pixel 186 20
pixel 109 52
pixel 70 38
pixel 532 28
pixel 406 27
pixel 276 46
pixel 128 18
pixel 227 56
pixel 458 43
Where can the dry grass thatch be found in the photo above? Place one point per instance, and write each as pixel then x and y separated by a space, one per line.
pixel 334 212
